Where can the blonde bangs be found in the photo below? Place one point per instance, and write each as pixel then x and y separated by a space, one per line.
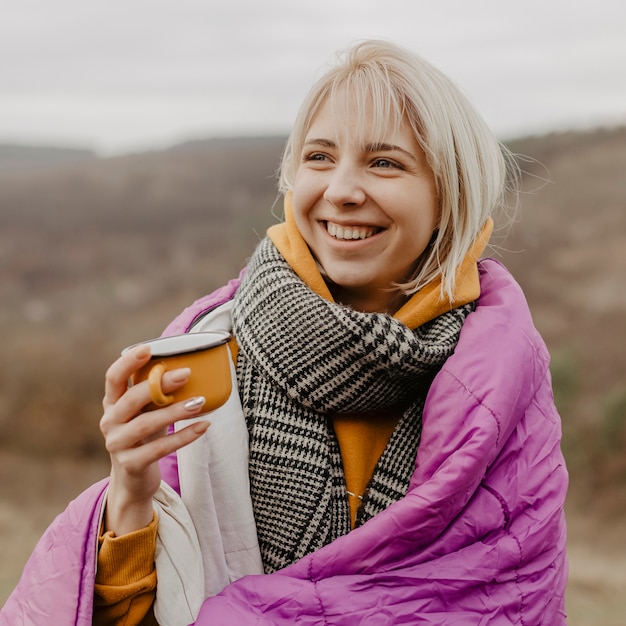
pixel 361 96
pixel 365 101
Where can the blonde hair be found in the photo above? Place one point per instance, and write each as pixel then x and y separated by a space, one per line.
pixel 387 84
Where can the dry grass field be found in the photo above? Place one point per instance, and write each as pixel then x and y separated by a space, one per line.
pixel 99 253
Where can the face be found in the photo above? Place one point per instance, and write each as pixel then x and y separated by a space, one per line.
pixel 367 211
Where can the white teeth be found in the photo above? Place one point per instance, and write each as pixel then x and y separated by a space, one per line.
pixel 349 232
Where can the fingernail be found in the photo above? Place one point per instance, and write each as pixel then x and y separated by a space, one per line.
pixel 142 351
pixel 193 404
pixel 200 427
pixel 180 375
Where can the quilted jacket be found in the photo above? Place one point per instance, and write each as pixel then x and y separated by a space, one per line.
pixel 479 539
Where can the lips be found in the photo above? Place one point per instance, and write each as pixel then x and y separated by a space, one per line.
pixel 348 233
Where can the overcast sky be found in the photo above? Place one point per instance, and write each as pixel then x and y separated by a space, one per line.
pixel 129 75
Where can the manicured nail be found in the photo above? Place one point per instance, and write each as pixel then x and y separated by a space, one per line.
pixel 193 404
pixel 180 375
pixel 142 351
pixel 201 426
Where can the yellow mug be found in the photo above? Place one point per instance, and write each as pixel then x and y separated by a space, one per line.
pixel 207 355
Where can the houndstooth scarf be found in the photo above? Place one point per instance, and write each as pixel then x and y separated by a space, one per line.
pixel 303 359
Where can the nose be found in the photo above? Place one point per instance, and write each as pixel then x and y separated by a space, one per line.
pixel 345 187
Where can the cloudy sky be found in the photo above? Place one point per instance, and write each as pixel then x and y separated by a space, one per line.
pixel 128 75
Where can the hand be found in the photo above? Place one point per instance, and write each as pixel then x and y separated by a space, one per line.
pixel 136 440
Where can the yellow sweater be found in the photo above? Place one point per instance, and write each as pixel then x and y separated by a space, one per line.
pixel 126 579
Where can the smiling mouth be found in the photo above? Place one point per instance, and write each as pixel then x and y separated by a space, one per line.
pixel 349 233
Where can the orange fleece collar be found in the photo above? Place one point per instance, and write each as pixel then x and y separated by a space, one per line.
pixel 425 305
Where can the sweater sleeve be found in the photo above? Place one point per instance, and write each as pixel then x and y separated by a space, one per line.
pixel 126 579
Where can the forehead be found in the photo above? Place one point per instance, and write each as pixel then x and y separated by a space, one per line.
pixel 360 118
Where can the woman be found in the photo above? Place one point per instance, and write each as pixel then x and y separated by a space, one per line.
pixel 404 460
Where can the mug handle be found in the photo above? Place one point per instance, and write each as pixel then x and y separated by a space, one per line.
pixel 154 383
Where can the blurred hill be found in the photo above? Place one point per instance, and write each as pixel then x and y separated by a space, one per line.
pixel 568 251
pixel 99 253
pixel 19 156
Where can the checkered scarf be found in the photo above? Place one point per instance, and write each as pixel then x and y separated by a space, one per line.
pixel 303 359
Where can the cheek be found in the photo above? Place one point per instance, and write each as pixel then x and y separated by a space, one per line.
pixel 303 198
pixel 299 206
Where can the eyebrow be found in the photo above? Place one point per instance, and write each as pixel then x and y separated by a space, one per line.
pixel 320 142
pixel 389 147
pixel 370 147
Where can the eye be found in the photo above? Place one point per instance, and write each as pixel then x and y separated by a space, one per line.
pixel 314 156
pixel 386 164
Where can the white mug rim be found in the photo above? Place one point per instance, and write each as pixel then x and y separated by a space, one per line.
pixel 183 344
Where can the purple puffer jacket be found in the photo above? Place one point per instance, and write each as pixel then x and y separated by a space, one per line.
pixel 479 539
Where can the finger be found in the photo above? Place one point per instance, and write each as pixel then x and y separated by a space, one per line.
pixel 136 459
pixel 136 398
pixel 116 377
pixel 127 430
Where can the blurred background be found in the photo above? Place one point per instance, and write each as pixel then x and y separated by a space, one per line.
pixel 138 148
